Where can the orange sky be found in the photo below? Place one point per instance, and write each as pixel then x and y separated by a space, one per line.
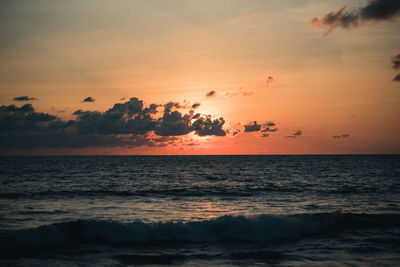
pixel 327 80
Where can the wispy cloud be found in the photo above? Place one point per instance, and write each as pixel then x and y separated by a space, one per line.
pixel 287 36
pixel 247 14
pixel 241 91
pixel 269 80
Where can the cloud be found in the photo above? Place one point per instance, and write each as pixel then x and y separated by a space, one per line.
pixel 24 98
pixel 247 14
pixel 24 119
pixel 173 123
pixel 240 91
pixel 269 123
pixel 295 134
pixel 396 62
pixel 89 99
pixel 287 36
pixel 268 129
pixel 252 127
pixel 211 94
pixel 375 11
pixel 269 80
pixel 341 136
pixel 207 126
pixel 396 65
pixel 196 116
pixel 128 118
pixel 127 124
pixel 196 105
pixel 263 128
pixel 170 105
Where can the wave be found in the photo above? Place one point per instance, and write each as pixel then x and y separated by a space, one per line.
pixel 263 228
pixel 194 192
pixel 182 192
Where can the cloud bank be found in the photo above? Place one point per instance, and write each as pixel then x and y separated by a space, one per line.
pixel 125 124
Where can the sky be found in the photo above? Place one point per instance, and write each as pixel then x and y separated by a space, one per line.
pixel 199 77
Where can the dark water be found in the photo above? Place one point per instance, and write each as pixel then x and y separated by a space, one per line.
pixel 200 210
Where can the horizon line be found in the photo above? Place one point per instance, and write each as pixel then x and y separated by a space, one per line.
pixel 182 155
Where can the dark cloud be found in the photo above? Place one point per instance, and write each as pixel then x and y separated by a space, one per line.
pixel 89 99
pixel 396 65
pixel 33 140
pixel 396 62
pixel 295 134
pixel 298 133
pixel 211 94
pixel 264 128
pixel 235 133
pixel 341 136
pixel 374 11
pixel 268 129
pixel 173 123
pixel 170 105
pixel 125 124
pixel 196 116
pixel 264 135
pixel 269 80
pixel 192 144
pixel 24 98
pixel 127 118
pixel 207 126
pixel 24 119
pixel 252 127
pixel 196 105
pixel 163 139
pixel 269 123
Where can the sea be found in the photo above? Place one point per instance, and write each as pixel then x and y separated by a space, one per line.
pixel 306 210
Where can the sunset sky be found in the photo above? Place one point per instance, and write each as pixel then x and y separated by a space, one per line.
pixel 271 77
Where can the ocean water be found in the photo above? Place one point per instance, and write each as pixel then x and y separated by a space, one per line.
pixel 200 211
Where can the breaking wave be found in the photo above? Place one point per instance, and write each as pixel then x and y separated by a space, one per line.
pixel 263 228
